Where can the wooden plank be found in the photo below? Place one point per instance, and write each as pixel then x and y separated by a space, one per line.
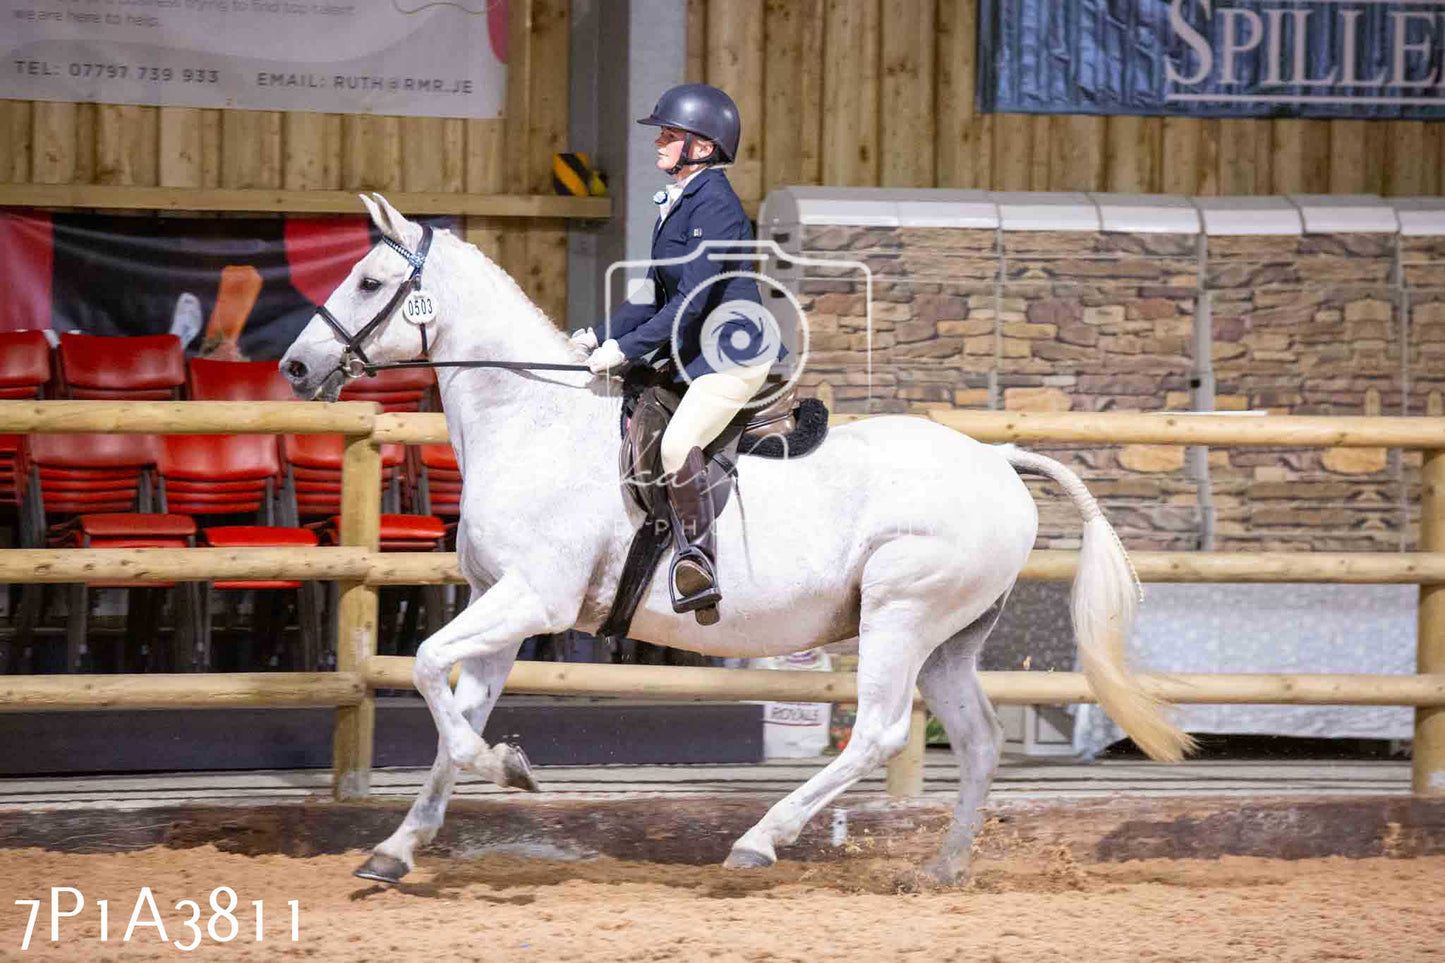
pixel 422 154
pixel 1208 167
pixel 519 96
pixel 735 63
pixel 545 277
pixel 1041 128
pixel 370 153
pixel 1077 150
pixel 54 142
pixel 1405 170
pixel 1132 156
pixel 301 202
pixel 181 150
pixel 965 138
pixel 1347 156
pixel 549 39
pixel 695 71
pixel 1236 164
pixel 1013 148
pixel 211 149
pixel 850 93
pixel 484 174
pixel 126 144
pixel 164 690
pixel 907 117
pixel 251 148
pixel 1301 156
pixel 16 140
pixel 1180 163
pixel 311 155
pixel 85 128
pixel 782 133
pixel 810 110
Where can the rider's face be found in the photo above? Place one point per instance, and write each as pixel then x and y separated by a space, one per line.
pixel 669 147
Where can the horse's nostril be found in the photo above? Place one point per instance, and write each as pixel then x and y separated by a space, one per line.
pixel 295 370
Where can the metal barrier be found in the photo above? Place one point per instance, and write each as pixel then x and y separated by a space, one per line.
pixel 361 568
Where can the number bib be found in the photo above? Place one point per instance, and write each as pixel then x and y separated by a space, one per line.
pixel 419 308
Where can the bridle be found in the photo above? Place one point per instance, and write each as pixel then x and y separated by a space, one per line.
pixel 354 363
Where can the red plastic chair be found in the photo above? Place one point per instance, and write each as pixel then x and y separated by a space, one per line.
pixel 24 372
pixel 210 475
pixel 395 389
pixel 237 381
pixel 84 480
pixel 150 368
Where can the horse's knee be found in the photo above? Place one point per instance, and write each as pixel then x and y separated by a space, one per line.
pixel 427 667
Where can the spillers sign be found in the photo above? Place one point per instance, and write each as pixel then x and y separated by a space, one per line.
pixel 1224 58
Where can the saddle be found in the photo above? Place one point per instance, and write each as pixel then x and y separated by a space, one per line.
pixel 785 427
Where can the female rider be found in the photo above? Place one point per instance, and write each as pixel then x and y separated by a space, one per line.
pixel 714 327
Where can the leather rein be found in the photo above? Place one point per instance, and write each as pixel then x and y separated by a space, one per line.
pixel 419 310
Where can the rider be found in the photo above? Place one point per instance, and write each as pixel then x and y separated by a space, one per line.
pixel 721 345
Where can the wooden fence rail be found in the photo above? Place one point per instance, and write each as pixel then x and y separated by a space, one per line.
pixel 361 569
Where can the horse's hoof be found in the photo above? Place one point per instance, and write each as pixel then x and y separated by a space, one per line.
pixel 747 859
pixel 517 771
pixel 382 868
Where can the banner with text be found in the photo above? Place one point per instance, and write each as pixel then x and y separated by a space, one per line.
pixel 413 58
pixel 1362 59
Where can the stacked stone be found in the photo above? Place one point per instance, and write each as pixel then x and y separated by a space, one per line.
pixel 1105 321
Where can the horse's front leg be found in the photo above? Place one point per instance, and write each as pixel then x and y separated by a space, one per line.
pixel 497 621
pixel 476 693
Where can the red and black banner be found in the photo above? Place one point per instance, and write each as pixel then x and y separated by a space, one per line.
pixel 229 288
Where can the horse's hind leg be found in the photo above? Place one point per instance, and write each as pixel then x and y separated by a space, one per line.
pixel 477 690
pixel 951 687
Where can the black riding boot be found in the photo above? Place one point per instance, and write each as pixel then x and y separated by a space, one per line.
pixel 692 577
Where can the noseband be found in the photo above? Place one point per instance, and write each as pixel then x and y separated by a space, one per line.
pixel 354 361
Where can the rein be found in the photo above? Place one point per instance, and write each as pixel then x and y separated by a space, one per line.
pixel 354 361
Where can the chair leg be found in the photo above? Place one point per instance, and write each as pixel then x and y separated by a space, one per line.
pixel 308 618
pixel 77 614
pixel 331 629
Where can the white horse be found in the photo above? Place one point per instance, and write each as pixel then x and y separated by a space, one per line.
pixel 897 530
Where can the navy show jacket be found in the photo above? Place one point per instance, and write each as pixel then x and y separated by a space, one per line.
pixel 707 210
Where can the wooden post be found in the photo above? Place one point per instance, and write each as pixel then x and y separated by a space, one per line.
pixel 357 618
pixel 1429 766
pixel 905 770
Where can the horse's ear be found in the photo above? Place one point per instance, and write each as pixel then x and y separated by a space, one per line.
pixel 374 211
pixel 390 222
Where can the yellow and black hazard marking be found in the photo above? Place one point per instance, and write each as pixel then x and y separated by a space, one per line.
pixel 573 174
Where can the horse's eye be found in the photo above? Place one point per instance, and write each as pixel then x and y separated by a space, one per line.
pixel 370 284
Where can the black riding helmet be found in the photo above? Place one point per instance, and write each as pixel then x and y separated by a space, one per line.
pixel 703 110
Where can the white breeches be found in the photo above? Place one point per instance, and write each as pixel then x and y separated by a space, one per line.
pixel 705 410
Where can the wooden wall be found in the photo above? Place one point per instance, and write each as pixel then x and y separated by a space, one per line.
pixel 881 93
pixel 54 143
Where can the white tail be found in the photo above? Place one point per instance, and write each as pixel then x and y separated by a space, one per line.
pixel 1105 598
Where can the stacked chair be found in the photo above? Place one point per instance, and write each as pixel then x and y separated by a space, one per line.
pixel 95 491
pixel 24 373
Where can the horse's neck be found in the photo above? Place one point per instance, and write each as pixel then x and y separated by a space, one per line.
pixel 493 410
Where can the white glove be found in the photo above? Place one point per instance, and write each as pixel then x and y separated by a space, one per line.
pixel 607 357
pixel 585 339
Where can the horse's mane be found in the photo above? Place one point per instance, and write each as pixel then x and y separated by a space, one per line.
pixel 508 284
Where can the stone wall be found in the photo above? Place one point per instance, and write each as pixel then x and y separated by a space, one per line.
pixel 1318 324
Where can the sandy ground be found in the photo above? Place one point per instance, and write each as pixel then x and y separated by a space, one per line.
pixel 1040 906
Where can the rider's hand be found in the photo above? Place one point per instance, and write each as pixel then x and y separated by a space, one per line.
pixel 607 357
pixel 586 339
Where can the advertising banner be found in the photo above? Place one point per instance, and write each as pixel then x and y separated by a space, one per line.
pixel 407 57
pixel 1382 59
pixel 230 289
